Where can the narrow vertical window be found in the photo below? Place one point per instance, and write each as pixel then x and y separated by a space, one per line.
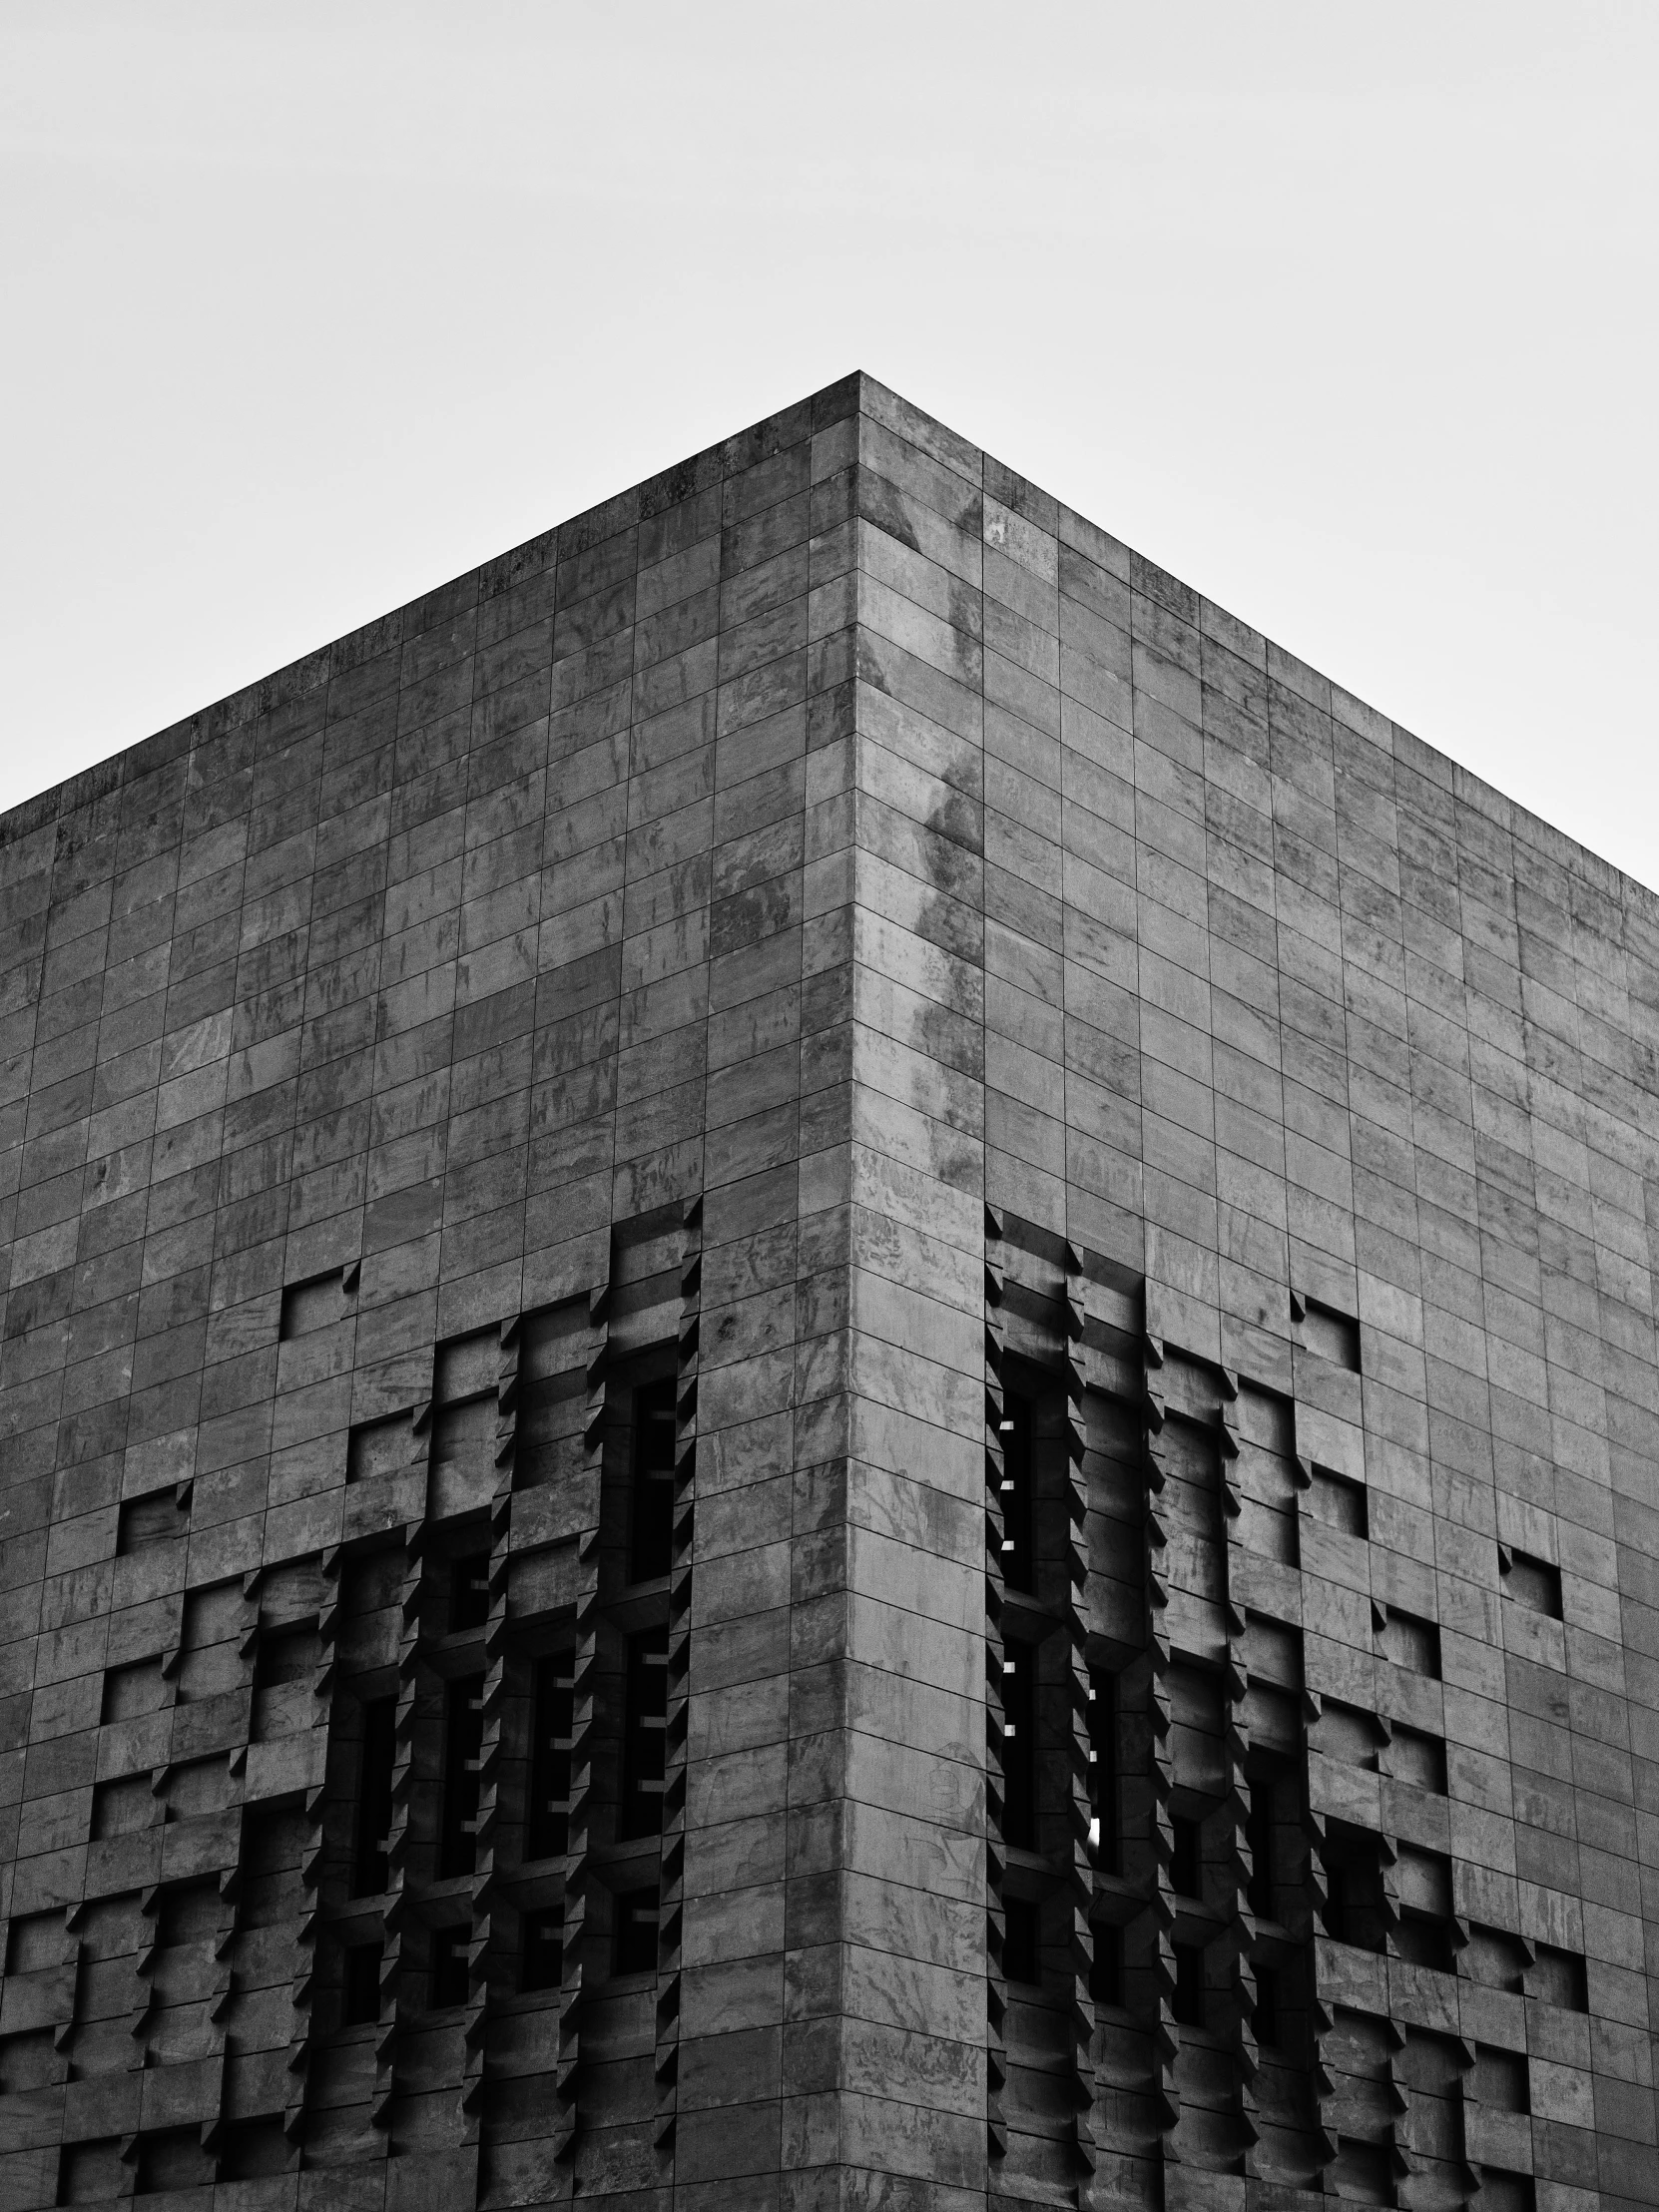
pixel 650 1513
pixel 1106 1966
pixel 1018 1551
pixel 1266 2017
pixel 645 1724
pixel 1021 1936
pixel 1187 2003
pixel 551 1720
pixel 541 1957
pixel 1185 1870
pixel 370 1871
pixel 637 1914
pixel 360 1994
pixel 469 1594
pixel 1103 1769
pixel 451 1966
pixel 463 1744
pixel 1019 1750
pixel 1258 1838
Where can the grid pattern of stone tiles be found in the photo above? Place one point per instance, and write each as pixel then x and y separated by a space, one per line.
pixel 688 947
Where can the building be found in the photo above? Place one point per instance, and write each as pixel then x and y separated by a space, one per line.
pixel 829 1382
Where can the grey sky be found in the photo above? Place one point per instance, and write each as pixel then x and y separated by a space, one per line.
pixel 1345 314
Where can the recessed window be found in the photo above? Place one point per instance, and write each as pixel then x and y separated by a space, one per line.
pixel 1356 1909
pixel 172 2158
pixel 1106 1964
pixel 1411 1642
pixel 1020 1934
pixel 317 1303
pixel 1419 1759
pixel 1019 1746
pixel 132 1691
pixel 464 1755
pixel 541 1955
pixel 1501 2079
pixel 360 1984
pixel 371 1863
pixel 1557 1977
pixel 451 1966
pixel 1533 1583
pixel 153 1519
pixel 645 1741
pixel 552 1718
pixel 1423 1882
pixel 1339 1502
pixel 1330 1334
pixel 469 1592
pixel 651 1508
pixel 1344 1732
pixel 1188 2002
pixel 637 1915
pixel 1506 2192
pixel 1019 1563
pixel 1185 1870
pixel 254 2150
pixel 1267 2014
pixel 1103 1770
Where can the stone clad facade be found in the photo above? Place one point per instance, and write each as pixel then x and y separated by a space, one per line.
pixel 827 1380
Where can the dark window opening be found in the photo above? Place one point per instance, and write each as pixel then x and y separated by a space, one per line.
pixel 463 1745
pixel 1258 1823
pixel 361 1985
pixel 1425 1941
pixel 1339 1502
pixel 637 1915
pixel 451 1966
pixel 1533 1583
pixel 1506 2192
pixel 541 1955
pixel 469 1594
pixel 1019 1746
pixel 35 1940
pixel 1501 2079
pixel 645 1734
pixel 1495 1959
pixel 189 1914
pixel 1419 1759
pixel 1344 1732
pixel 1411 1642
pixel 316 1304
pixel 1422 1881
pixel 1106 1964
pixel 1186 1870
pixel 371 1866
pixel 254 2150
pixel 1103 1768
pixel 1019 1562
pixel 1557 1977
pixel 1267 2013
pixel 132 1690
pixel 91 2172
pixel 172 2158
pixel 1355 1909
pixel 553 1707
pixel 1364 2173
pixel 149 1520
pixel 651 1513
pixel 1189 1986
pixel 1333 1334
pixel 379 1448
pixel 285 1655
pixel 1021 1933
